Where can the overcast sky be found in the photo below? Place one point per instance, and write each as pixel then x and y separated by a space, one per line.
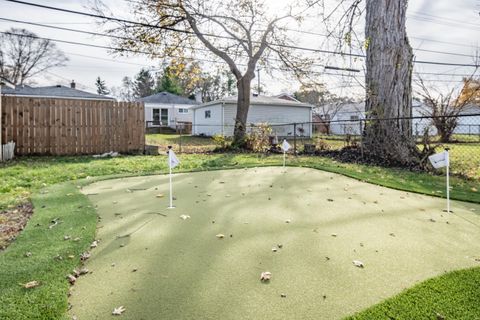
pixel 451 27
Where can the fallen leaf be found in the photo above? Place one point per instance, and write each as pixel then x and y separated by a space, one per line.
pixel 334 235
pixel 94 244
pixel 160 195
pixel 220 236
pixel 84 256
pixel 184 217
pixel 265 276
pixel 358 264
pixel 118 311
pixel 31 284
pixel 283 295
pixel 432 220
pixel 71 279
pixel 66 238
pixel 288 221
pixel 274 249
pixel 28 254
pixel 474 189
pixel 330 200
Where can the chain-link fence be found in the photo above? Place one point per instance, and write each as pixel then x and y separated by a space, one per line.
pixel 461 134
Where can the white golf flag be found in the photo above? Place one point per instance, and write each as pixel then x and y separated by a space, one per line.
pixel 439 160
pixel 285 145
pixel 172 159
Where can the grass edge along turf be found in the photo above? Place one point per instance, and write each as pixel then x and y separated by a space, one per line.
pixel 450 296
pixel 42 254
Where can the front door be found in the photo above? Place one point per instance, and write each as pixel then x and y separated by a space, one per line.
pixel 160 117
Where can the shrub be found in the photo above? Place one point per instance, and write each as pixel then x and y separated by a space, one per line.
pixel 259 139
pixel 221 141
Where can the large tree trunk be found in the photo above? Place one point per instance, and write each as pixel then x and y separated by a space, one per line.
pixel 243 105
pixel 389 83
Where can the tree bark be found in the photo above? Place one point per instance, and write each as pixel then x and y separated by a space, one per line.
pixel 243 105
pixel 389 83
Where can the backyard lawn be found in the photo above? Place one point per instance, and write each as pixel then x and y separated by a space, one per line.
pixel 54 185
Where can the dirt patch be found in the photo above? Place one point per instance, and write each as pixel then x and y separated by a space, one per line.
pixel 12 222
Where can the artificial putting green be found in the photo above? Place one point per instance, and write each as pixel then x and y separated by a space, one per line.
pixel 183 271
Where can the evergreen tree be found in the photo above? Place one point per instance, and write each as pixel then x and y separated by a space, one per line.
pixel 101 87
pixel 144 84
pixel 168 82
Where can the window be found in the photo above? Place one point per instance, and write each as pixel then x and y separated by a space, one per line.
pixel 208 114
pixel 354 118
pixel 182 110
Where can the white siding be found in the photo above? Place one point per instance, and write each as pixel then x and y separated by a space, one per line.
pixel 207 126
pixel 257 114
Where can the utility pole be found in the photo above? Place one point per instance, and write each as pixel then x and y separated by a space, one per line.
pixel 258 72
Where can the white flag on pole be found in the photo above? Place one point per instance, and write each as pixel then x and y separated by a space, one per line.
pixel 172 159
pixel 440 160
pixel 285 145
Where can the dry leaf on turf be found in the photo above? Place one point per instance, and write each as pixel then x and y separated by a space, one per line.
pixel 220 236
pixel 118 311
pixel 31 284
pixel 358 264
pixel 265 276
pixel 71 279
pixel 160 195
pixel 94 244
pixel 184 217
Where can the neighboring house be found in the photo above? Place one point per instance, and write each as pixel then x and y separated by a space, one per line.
pixel 218 117
pixel 167 109
pixel 57 91
pixel 346 119
pixel 468 120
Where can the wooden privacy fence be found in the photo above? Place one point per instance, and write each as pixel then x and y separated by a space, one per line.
pixel 44 126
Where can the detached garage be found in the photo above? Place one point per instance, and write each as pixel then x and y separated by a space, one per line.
pixel 218 117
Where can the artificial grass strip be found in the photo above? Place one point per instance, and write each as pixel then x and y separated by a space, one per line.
pixel 455 295
pixel 49 262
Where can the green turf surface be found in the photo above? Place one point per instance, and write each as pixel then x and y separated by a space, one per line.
pixel 49 261
pixel 185 272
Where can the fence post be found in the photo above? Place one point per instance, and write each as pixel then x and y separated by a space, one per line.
pixel 295 139
pixel 361 138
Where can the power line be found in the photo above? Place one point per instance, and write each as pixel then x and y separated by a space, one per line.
pixel 217 36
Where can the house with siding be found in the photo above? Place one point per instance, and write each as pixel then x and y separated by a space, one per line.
pixel 167 109
pixel 218 117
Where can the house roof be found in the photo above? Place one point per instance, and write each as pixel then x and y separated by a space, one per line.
pixel 53 92
pixel 259 100
pixel 168 98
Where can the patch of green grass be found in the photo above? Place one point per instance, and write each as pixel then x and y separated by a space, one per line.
pixel 451 296
pixel 186 143
pixel 49 262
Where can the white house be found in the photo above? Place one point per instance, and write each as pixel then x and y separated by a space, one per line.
pixel 167 109
pixel 218 117
pixel 345 120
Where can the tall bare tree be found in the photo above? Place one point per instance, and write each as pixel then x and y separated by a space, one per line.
pixel 242 33
pixel 388 78
pixel 23 55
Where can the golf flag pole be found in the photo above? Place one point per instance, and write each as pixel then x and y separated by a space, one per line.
pixel 172 163
pixel 447 154
pixel 285 146
pixel 440 160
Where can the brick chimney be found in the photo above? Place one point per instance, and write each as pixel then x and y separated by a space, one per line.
pixel 72 84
